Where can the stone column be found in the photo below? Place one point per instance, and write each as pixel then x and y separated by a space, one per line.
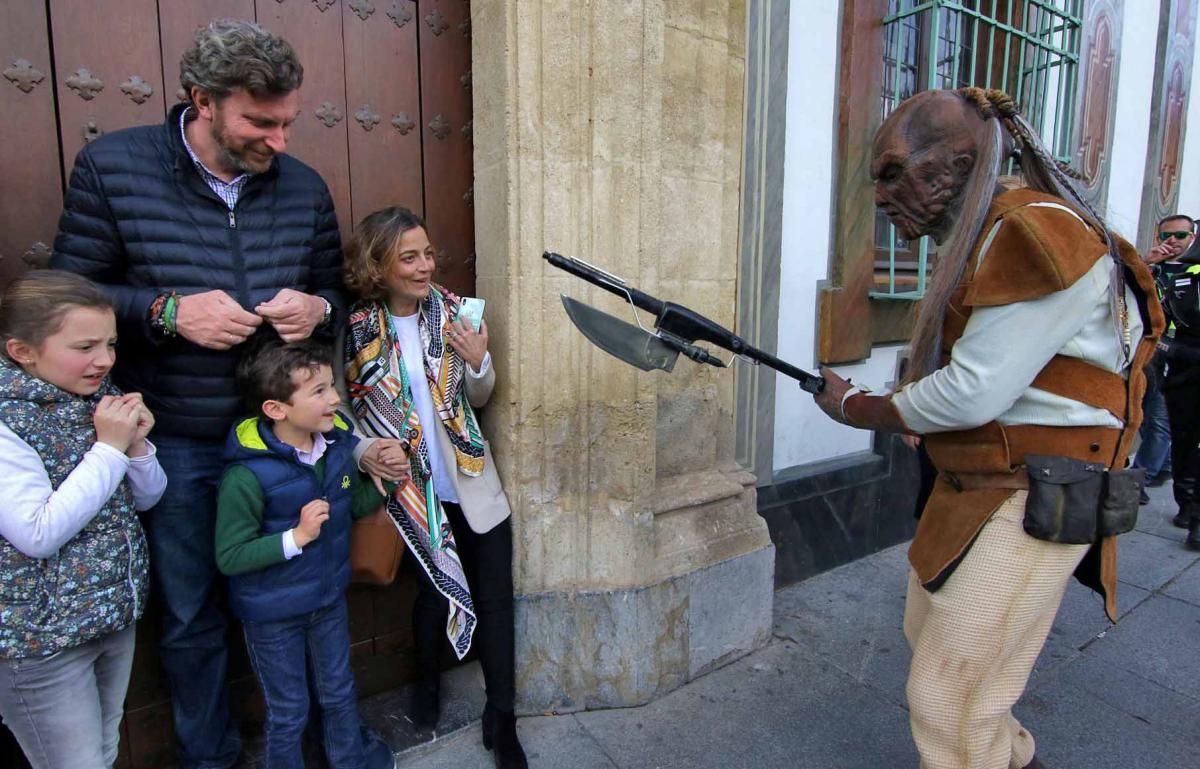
pixel 612 131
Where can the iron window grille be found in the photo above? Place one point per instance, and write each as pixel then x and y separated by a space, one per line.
pixel 1028 48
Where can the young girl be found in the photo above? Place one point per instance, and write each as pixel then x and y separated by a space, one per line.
pixel 73 565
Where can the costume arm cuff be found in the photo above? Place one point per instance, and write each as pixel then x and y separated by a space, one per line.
pixel 872 412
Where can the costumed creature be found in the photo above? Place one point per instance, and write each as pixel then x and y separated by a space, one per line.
pixel 1025 382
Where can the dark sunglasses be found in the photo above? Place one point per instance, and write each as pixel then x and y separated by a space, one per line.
pixel 1178 235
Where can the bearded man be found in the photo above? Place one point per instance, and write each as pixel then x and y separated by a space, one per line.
pixel 1025 381
pixel 201 229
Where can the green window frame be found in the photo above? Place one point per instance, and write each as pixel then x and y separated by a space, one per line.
pixel 1030 46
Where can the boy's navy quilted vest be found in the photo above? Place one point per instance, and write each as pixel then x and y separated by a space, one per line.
pixel 96 583
pixel 320 574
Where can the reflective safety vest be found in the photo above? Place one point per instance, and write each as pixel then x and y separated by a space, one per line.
pixel 1180 286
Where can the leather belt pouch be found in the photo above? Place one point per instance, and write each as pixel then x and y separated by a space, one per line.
pixel 1064 499
pixel 1119 505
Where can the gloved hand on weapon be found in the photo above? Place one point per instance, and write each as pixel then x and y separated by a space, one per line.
pixel 844 402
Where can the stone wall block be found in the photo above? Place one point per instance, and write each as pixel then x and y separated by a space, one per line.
pixel 651 233
pixel 601 648
pixel 566 215
pixel 724 526
pixel 493 89
pixel 621 648
pixel 616 237
pixel 687 423
pixel 567 53
pixel 710 18
pixel 521 51
pixel 736 36
pixel 712 298
pixel 617 473
pixel 694 111
pixel 616 78
pixel 728 253
pixel 691 213
pixel 492 215
pixel 730 609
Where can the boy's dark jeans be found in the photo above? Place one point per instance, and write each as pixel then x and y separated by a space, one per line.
pixel 281 653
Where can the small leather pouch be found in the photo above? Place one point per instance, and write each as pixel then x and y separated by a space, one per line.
pixel 1064 497
pixel 1119 505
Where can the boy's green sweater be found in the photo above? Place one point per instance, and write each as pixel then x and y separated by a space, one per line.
pixel 240 544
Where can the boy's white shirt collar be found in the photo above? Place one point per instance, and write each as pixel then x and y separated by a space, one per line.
pixel 312 456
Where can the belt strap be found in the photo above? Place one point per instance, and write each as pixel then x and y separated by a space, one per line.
pixel 1017 479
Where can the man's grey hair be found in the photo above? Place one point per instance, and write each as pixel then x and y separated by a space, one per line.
pixel 230 54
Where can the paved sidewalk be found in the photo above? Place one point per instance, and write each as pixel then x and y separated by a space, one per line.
pixel 828 692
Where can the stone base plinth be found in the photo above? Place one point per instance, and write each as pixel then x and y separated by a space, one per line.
pixel 618 648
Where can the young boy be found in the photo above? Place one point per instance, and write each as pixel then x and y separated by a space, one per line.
pixel 287 497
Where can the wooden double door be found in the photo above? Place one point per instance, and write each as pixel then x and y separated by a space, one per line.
pixel 385 106
pixel 386 120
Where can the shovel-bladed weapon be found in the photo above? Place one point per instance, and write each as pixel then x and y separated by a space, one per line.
pixel 677 327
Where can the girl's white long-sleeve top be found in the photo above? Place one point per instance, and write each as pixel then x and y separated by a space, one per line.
pixel 39 519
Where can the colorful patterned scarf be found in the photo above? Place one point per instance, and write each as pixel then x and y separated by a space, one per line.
pixel 381 396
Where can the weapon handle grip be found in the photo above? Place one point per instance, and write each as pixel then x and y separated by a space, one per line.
pixel 604 280
pixel 813 384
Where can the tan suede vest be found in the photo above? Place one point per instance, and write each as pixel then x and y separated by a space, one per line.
pixel 1032 255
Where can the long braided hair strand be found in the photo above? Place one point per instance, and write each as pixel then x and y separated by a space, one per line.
pixel 1044 173
pixel 953 256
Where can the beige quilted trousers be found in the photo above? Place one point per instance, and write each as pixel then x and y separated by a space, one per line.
pixel 975 640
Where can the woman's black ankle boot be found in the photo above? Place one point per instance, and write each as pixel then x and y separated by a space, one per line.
pixel 500 737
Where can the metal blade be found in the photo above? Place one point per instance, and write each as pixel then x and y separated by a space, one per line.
pixel 622 340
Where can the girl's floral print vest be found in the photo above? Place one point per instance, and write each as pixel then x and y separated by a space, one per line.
pixel 96 583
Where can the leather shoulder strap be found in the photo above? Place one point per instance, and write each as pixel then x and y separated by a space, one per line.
pixel 1081 381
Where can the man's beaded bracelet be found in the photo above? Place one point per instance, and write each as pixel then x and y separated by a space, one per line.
pixel 163 313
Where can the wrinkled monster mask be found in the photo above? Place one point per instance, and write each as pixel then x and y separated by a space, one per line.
pixel 923 156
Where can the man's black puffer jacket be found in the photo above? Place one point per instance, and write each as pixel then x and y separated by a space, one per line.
pixel 140 220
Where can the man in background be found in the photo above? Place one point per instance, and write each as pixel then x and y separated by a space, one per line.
pixel 1174 235
pixel 1176 263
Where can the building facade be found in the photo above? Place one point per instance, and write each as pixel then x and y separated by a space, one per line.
pixel 712 152
pixel 716 153
pixel 1107 84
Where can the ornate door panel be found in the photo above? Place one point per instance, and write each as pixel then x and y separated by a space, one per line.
pixel 385 107
pixel 384 102
pixel 314 28
pixel 108 66
pixel 1100 63
pixel 445 35
pixel 29 159
pixel 1168 116
pixel 385 119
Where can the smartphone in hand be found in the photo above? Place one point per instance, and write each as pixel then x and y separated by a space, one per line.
pixel 471 310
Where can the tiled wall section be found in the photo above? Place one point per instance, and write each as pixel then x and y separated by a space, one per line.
pixel 841 510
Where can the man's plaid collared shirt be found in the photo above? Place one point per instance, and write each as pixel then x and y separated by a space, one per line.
pixel 227 191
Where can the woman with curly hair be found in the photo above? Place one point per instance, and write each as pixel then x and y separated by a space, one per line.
pixel 414 372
